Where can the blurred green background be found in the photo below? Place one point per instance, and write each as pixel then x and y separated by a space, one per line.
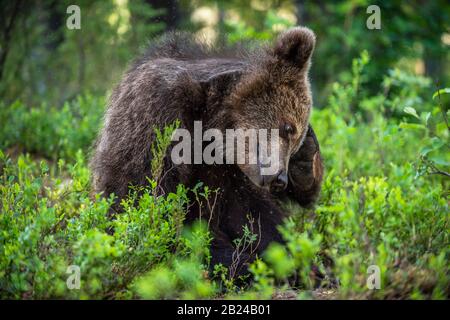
pixel 42 60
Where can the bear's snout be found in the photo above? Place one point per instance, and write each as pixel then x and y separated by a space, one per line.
pixel 277 182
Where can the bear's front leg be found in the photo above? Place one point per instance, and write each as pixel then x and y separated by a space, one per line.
pixel 224 252
pixel 231 247
pixel 305 171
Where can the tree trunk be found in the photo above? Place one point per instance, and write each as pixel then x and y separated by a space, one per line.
pixel 7 27
pixel 171 15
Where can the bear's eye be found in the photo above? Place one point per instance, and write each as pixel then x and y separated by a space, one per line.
pixel 288 129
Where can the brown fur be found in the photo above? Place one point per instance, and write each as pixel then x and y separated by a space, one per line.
pixel 181 79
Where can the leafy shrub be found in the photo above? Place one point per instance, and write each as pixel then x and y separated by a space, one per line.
pixel 49 224
pixel 51 132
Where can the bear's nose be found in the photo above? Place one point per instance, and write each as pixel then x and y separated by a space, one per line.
pixel 280 182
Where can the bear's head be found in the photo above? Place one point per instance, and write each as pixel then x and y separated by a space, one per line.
pixel 273 92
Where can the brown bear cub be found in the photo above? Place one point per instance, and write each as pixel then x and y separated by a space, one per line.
pixel 182 79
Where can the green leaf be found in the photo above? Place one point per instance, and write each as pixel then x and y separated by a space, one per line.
pixel 441 91
pixel 425 117
pixel 414 126
pixel 440 161
pixel 411 111
pixel 433 144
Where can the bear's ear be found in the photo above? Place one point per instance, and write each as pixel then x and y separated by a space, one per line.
pixel 221 82
pixel 295 46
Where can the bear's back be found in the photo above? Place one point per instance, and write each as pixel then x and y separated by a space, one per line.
pixel 178 52
pixel 169 69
